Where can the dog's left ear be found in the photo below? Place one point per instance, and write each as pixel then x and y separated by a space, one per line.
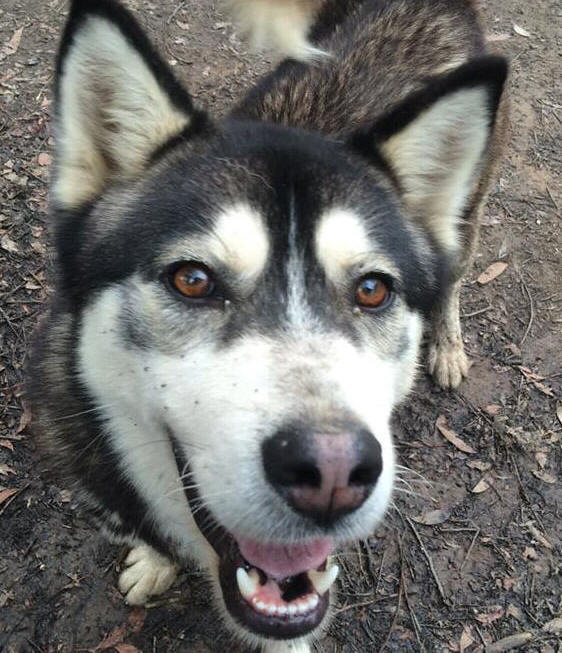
pixel 435 143
pixel 117 102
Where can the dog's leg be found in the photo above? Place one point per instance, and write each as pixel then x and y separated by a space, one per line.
pixel 146 573
pixel 448 363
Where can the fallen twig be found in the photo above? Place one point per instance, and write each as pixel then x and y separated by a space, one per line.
pixel 429 562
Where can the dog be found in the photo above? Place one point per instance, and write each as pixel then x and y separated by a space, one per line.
pixel 239 304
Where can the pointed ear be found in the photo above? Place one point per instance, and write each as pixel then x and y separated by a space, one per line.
pixel 435 143
pixel 116 102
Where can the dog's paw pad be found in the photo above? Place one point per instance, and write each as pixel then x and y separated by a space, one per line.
pixel 448 363
pixel 147 573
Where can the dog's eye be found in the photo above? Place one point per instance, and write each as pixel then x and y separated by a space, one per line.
pixel 372 292
pixel 192 280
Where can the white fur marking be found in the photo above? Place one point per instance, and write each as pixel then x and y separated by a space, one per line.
pixel 240 241
pixel 341 241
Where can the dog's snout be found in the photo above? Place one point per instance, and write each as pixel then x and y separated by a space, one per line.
pixel 323 475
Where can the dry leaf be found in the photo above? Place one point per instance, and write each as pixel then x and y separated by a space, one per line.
pixel 492 614
pixel 126 648
pixel 514 349
pixel 13 44
pixel 44 159
pixel 495 38
pixel 559 411
pixel 545 477
pixel 6 444
pixel 554 626
pixel 514 611
pixel 136 619
pixel 480 465
pixel 432 517
pixel 6 469
pixel 529 374
pixel 184 26
pixel 521 30
pixel 466 639
pixel 541 459
pixel 24 419
pixel 509 643
pixel 480 487
pixel 530 553
pixel 8 244
pixel 6 493
pixel 543 388
pixel 451 436
pixel 492 272
pixel 115 637
pixel 541 539
pixel 493 409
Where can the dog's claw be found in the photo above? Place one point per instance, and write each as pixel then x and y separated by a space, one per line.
pixel 147 573
pixel 448 363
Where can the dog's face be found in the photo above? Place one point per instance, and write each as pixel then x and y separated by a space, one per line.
pixel 250 302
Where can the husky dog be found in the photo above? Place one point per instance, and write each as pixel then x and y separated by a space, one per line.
pixel 239 304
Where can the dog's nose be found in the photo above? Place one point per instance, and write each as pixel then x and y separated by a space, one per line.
pixel 323 475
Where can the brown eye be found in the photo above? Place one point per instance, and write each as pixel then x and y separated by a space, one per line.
pixel 192 280
pixel 372 292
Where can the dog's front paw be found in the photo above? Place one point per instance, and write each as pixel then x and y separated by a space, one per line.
pixel 147 573
pixel 448 363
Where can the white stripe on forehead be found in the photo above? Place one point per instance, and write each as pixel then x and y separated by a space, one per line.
pixel 299 313
pixel 341 241
pixel 239 240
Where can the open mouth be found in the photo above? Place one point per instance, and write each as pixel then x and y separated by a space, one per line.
pixel 280 591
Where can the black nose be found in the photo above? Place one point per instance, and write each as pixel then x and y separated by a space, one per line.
pixel 323 475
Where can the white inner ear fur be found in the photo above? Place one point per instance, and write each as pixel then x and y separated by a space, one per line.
pixel 113 113
pixel 437 157
pixel 239 240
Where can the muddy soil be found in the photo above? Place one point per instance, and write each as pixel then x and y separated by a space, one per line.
pixel 471 552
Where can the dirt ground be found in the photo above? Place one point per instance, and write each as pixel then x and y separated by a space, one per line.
pixel 471 553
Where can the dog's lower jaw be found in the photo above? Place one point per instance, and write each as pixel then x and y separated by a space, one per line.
pixel 447 361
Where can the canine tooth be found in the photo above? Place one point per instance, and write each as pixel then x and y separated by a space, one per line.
pixel 260 605
pixel 303 607
pixel 323 580
pixel 313 601
pixel 247 582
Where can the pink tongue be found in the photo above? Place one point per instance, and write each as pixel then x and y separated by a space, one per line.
pixel 282 560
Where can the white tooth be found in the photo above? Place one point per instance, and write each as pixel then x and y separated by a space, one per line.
pixel 313 601
pixel 293 610
pixel 271 609
pixel 323 580
pixel 260 605
pixel 303 607
pixel 247 582
pixel 282 610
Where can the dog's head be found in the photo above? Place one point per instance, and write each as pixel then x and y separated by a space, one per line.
pixel 250 302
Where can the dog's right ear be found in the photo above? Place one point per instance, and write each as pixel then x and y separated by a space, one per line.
pixel 117 102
